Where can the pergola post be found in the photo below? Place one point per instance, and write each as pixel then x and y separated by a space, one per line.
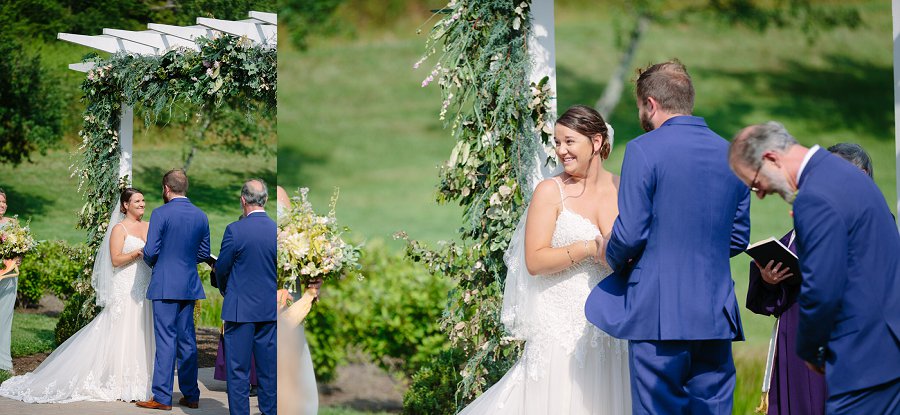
pixel 126 142
pixel 542 50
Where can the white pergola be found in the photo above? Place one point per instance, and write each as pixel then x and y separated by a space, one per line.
pixel 260 28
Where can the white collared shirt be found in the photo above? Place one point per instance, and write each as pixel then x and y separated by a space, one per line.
pixel 257 210
pixel 806 158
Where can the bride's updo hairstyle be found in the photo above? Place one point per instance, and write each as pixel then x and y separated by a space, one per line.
pixel 126 197
pixel 588 122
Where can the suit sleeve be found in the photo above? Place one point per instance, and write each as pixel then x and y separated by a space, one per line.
pixel 823 248
pixel 154 236
pixel 226 260
pixel 740 231
pixel 632 226
pixel 203 252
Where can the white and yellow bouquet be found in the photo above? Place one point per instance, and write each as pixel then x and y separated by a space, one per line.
pixel 310 246
pixel 15 240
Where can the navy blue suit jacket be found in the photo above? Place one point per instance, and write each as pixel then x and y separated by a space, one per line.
pixel 246 269
pixel 178 239
pixel 849 253
pixel 682 215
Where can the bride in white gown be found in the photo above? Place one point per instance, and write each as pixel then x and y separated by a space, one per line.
pixel 568 365
pixel 112 357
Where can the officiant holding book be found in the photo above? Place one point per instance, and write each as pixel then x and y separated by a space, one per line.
pixel 774 290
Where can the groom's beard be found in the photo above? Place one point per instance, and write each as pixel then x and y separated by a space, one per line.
pixel 646 124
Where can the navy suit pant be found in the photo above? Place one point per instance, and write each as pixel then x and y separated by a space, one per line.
pixel 694 377
pixel 173 324
pixel 241 341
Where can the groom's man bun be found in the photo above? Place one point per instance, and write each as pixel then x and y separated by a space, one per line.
pixel 669 84
pixel 176 180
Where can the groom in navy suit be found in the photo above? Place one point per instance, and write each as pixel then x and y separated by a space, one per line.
pixel 178 239
pixel 247 278
pixel 682 215
pixel 848 247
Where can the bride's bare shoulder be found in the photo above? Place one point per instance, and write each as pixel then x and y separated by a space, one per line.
pixel 546 190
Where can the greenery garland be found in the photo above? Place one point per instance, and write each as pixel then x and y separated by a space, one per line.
pixel 495 114
pixel 227 72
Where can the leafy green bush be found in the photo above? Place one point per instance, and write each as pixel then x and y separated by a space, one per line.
pixel 51 266
pixel 79 311
pixel 392 315
pixel 433 388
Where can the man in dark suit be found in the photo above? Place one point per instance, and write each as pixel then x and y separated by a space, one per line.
pixel 177 240
pixel 247 279
pixel 682 215
pixel 848 247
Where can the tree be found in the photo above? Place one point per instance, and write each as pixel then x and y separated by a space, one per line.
pixel 756 14
pixel 306 17
pixel 30 108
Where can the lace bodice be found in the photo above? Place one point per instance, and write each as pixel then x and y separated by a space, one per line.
pixel 132 279
pixel 560 303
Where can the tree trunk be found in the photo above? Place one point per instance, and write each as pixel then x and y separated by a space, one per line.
pixel 190 157
pixel 613 92
pixel 207 120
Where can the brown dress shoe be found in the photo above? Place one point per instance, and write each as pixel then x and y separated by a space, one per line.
pixel 184 402
pixel 152 404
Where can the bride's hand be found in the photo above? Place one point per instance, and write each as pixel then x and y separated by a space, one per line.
pixel 600 255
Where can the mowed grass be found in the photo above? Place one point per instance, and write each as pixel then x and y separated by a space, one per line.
pixel 352 114
pixel 32 333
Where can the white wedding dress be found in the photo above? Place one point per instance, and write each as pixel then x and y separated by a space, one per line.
pixel 109 359
pixel 568 366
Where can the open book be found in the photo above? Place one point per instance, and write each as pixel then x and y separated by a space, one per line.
pixel 771 249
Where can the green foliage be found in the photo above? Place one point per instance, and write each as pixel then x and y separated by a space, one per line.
pixel 433 388
pixel 79 311
pixel 30 108
pixel 32 333
pixel 392 315
pixel 186 12
pixel 51 266
pixel 306 17
pixel 209 311
pixel 45 18
pixel 496 117
pixel 4 375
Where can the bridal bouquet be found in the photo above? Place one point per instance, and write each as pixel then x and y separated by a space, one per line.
pixel 310 246
pixel 15 240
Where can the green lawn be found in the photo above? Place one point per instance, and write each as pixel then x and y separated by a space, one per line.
pixel 352 115
pixel 32 333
